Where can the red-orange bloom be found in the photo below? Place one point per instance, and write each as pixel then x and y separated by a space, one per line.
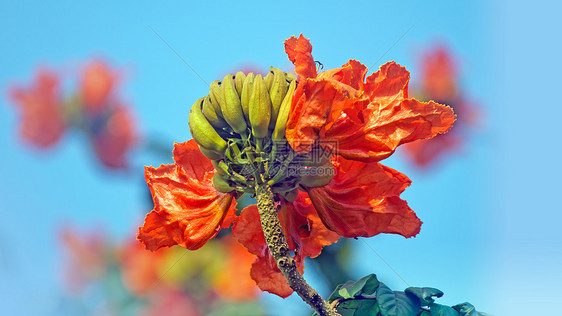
pixel 188 210
pixel 96 85
pixel 233 283
pixel 305 234
pixel 368 118
pixel 361 119
pixel 42 120
pixel 115 138
pixel 439 82
pixel 85 258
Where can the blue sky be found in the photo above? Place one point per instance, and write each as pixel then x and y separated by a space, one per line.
pixel 491 221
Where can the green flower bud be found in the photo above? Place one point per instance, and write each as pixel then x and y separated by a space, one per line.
pixel 284 111
pixel 318 176
pixel 203 132
pixel 213 114
pixel 239 82
pixel 210 154
pixel 221 184
pixel 268 80
pixel 232 108
pixel 277 92
pixel 260 108
pixel 246 94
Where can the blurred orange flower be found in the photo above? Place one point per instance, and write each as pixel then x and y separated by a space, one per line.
pixel 42 121
pixel 85 258
pixel 439 81
pixel 96 85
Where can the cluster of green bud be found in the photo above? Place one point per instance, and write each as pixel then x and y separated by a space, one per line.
pixel 240 126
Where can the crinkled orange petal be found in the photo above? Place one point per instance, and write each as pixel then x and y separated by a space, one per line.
pixel 188 210
pixel 247 230
pixel 424 152
pixel 351 74
pixel 362 200
pixel 303 228
pixel 386 128
pixel 299 52
pixel 316 104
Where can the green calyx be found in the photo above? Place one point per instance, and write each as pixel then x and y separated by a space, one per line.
pixel 240 126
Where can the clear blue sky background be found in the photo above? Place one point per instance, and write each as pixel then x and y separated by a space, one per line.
pixel 492 222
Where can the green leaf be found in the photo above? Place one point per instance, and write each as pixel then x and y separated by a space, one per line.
pixel 466 309
pixel 367 308
pixel 442 310
pixel 366 285
pixel 335 294
pixel 396 303
pixel 425 294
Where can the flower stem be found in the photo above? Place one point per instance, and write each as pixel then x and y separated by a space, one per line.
pixel 279 249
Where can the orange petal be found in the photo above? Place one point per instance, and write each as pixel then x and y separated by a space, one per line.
pixel 362 200
pixel 269 278
pixel 303 228
pixel 247 230
pixel 299 52
pixel 317 104
pixel 187 211
pixel 351 74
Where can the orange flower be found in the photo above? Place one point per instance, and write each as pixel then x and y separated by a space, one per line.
pixel 361 119
pixel 232 282
pixel 188 210
pixel 368 118
pixel 115 138
pixel 174 302
pixel 85 258
pixel 439 82
pixel 42 120
pixel 140 268
pixel 96 85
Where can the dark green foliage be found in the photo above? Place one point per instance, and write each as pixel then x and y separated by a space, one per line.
pixel 369 297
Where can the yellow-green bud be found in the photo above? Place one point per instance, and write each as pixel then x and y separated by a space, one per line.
pixel 284 111
pixel 260 108
pixel 318 176
pixel 268 80
pixel 221 184
pixel 213 114
pixel 232 108
pixel 277 93
pixel 203 132
pixel 239 81
pixel 246 94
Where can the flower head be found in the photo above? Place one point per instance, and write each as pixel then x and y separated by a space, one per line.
pixel 314 141
pixel 42 118
pixel 439 81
